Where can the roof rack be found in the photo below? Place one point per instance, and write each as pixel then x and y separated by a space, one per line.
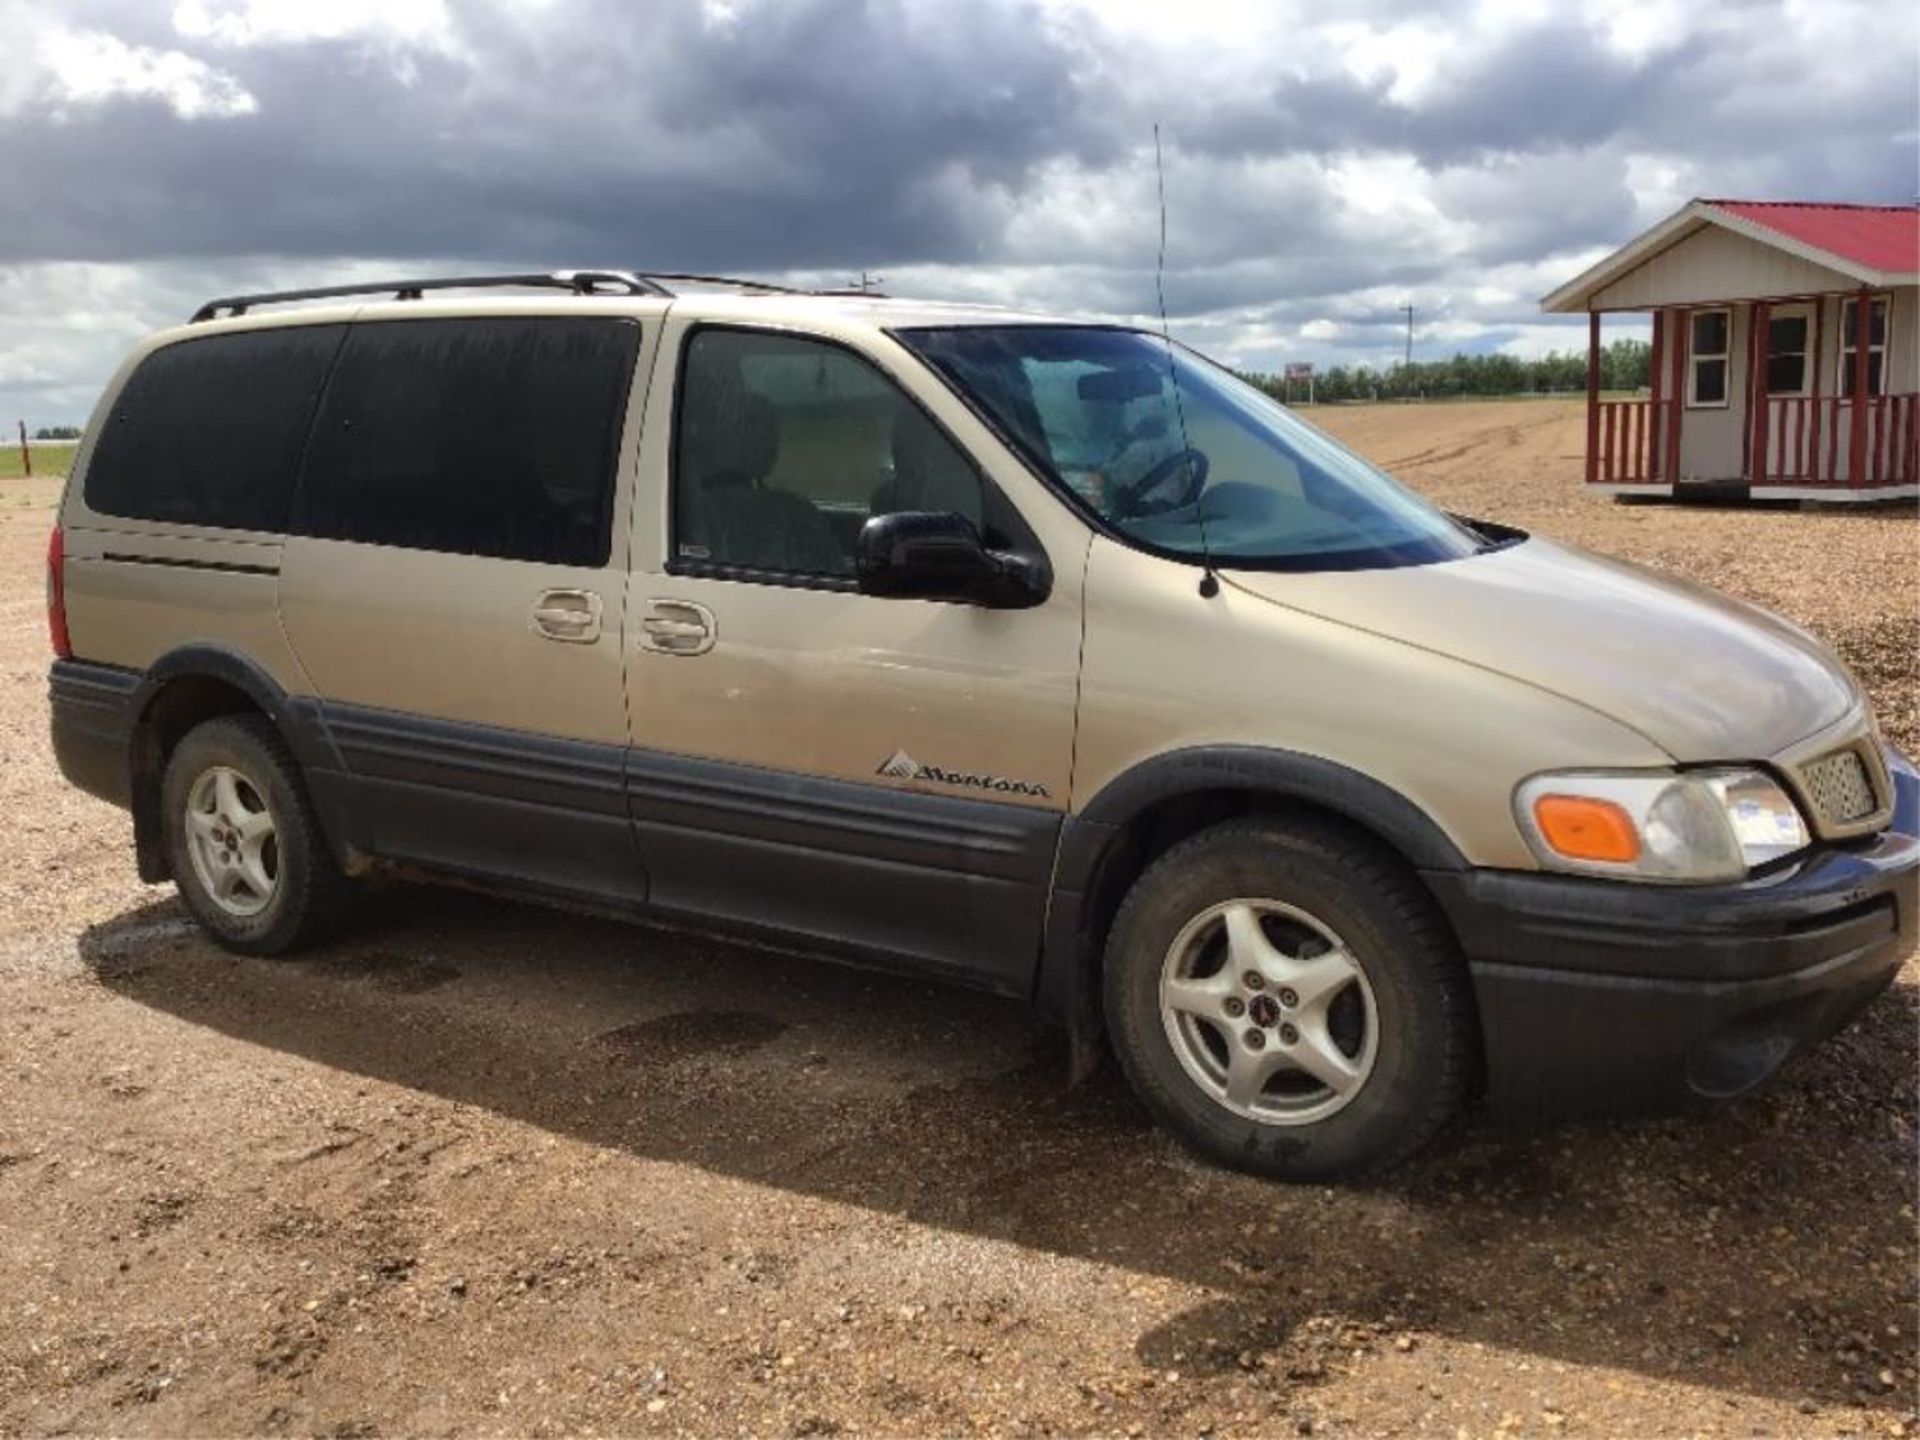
pixel 576 282
pixel 734 280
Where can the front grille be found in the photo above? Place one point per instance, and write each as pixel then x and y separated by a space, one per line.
pixel 1840 788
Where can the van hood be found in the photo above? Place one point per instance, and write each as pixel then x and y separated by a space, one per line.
pixel 1703 676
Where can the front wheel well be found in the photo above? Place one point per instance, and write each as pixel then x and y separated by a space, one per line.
pixel 174 709
pixel 1160 826
pixel 1148 834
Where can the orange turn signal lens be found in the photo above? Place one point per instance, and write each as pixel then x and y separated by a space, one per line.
pixel 1582 828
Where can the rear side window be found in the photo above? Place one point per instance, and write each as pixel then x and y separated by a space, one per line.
pixel 209 431
pixel 474 437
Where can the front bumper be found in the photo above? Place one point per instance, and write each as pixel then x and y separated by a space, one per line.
pixel 1602 996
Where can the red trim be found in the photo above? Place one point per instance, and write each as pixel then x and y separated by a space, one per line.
pixel 1759 316
pixel 1863 343
pixel 1655 468
pixel 1593 396
pixel 1682 319
pixel 1819 362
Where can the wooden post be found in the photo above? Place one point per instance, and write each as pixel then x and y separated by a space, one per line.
pixel 1760 316
pixel 1816 359
pixel 1682 323
pixel 1656 424
pixel 1593 395
pixel 1862 336
pixel 26 455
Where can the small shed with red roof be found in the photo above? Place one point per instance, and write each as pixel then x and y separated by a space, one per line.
pixel 1766 381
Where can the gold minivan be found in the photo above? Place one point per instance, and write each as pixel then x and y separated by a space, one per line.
pixel 1040 655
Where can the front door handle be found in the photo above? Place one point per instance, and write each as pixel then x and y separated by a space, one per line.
pixel 569 616
pixel 678 627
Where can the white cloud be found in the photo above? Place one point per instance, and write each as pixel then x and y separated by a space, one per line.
pixel 291 22
pixel 62 69
pixel 89 67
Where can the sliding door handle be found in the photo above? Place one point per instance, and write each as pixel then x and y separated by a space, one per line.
pixel 569 616
pixel 678 627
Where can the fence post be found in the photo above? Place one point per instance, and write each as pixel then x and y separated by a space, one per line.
pixel 26 455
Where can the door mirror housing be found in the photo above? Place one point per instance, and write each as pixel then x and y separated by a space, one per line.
pixel 939 555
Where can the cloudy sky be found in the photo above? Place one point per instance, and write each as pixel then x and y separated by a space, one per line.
pixel 1325 163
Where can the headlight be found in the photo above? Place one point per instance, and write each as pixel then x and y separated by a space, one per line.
pixel 1693 826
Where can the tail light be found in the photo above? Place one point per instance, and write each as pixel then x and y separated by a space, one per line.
pixel 57 595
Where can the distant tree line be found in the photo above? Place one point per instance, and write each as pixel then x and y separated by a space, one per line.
pixel 57 432
pixel 1624 365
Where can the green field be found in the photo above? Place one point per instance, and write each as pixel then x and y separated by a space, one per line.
pixel 47 460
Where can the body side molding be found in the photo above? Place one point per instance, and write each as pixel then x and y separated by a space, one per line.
pixel 943 883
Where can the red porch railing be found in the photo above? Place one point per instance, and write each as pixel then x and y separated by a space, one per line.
pixel 1631 449
pixel 1810 442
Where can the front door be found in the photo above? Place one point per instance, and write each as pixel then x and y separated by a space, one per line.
pixel 885 776
pixel 454 594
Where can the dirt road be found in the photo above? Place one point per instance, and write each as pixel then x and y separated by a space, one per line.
pixel 486 1168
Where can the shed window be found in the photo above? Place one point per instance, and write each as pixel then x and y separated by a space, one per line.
pixel 1876 345
pixel 1707 357
pixel 1789 334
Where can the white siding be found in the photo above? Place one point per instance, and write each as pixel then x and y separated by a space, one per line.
pixel 1715 264
pixel 1713 440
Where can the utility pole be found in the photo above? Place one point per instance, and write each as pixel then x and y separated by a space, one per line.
pixel 1407 309
pixel 866 282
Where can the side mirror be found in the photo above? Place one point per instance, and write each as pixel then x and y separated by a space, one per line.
pixel 938 555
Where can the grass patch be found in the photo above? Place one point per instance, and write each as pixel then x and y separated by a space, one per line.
pixel 47 460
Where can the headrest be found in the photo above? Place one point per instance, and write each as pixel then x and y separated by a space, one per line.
pixel 734 432
pixel 916 449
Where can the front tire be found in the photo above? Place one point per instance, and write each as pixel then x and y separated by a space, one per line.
pixel 1286 1000
pixel 245 849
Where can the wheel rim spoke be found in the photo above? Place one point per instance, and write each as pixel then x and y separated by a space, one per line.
pixel 1248 1071
pixel 1316 1054
pixel 1247 945
pixel 226 882
pixel 226 797
pixel 253 867
pixel 1319 978
pixel 1203 998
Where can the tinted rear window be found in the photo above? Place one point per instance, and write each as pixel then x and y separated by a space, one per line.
pixel 209 431
pixel 475 437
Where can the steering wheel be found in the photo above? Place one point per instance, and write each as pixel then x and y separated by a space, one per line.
pixel 1129 500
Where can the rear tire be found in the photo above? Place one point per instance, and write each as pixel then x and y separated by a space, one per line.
pixel 245 849
pixel 1285 998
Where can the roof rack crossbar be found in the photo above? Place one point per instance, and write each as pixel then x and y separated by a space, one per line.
pixel 577 282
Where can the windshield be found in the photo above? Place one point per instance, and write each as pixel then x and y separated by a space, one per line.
pixel 1212 468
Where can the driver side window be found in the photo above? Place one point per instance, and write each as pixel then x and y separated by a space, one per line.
pixel 785 446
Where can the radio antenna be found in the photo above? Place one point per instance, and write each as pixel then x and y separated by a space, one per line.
pixel 1209 582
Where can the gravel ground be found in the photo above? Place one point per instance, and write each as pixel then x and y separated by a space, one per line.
pixel 482 1168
